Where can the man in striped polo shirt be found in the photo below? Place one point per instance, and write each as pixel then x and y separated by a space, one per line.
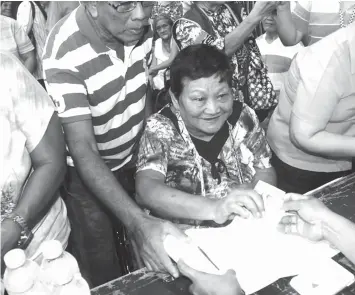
pixel 95 69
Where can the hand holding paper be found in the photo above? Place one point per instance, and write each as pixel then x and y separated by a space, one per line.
pixel 241 202
pixel 254 248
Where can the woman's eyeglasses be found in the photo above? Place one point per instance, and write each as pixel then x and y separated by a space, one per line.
pixel 130 5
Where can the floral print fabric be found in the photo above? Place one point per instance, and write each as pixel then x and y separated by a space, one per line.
pixel 174 9
pixel 163 149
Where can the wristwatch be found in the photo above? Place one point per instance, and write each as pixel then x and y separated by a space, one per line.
pixel 26 235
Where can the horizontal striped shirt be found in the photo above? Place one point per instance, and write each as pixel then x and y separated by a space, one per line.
pixel 89 81
pixel 318 19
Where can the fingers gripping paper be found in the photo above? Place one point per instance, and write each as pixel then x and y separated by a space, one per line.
pixel 255 249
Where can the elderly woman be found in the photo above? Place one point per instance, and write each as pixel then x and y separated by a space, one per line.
pixel 162 27
pixel 200 157
pixel 312 131
pixel 33 163
pixel 221 24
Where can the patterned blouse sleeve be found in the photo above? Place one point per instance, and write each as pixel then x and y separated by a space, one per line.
pixel 188 32
pixel 255 140
pixel 154 145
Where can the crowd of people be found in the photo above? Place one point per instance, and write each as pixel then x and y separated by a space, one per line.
pixel 124 122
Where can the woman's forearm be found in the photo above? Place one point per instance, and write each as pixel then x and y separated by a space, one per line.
pixel 40 192
pixel 237 37
pixel 324 143
pixel 286 29
pixel 170 202
pixel 340 232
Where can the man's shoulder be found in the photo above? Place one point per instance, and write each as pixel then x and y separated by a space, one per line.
pixel 65 36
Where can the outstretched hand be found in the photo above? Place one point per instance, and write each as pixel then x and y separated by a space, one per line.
pixel 149 237
pixel 308 215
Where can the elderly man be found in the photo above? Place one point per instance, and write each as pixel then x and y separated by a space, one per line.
pixel 95 67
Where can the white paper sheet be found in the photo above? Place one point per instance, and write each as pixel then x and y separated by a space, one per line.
pixel 256 250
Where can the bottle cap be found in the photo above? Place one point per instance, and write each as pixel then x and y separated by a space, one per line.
pixel 51 249
pixel 15 258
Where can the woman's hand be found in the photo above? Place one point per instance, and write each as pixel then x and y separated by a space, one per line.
pixel 209 284
pixel 307 220
pixel 242 202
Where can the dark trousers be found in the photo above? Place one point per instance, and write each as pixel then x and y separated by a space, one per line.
pixel 294 180
pixel 93 240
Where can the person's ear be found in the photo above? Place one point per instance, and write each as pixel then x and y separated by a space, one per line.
pixel 91 6
pixel 174 100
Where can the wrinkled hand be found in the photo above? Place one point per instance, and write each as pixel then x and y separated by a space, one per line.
pixel 242 202
pixel 149 236
pixel 307 220
pixel 262 9
pixel 209 284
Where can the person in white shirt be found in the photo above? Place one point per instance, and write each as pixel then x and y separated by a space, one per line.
pixel 276 56
pixel 163 28
pixel 34 22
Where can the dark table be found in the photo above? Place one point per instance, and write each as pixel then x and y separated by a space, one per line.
pixel 338 195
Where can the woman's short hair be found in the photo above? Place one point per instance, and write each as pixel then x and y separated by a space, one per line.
pixel 199 61
pixel 161 17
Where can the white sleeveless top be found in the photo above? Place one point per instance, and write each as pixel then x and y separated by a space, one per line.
pixel 161 56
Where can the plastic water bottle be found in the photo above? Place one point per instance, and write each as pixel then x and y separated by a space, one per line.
pixel 60 270
pixel 69 283
pixel 21 275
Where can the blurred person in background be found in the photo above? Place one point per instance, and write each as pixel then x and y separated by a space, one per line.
pixel 32 17
pixel 162 26
pixel 276 56
pixel 14 39
pixel 6 8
